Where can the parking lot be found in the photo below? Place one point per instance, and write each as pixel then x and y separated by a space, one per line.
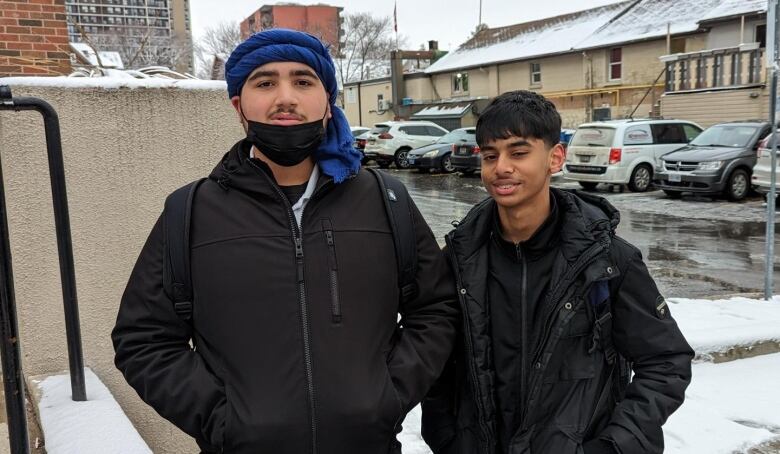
pixel 694 247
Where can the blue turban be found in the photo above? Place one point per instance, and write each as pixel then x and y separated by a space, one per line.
pixel 336 155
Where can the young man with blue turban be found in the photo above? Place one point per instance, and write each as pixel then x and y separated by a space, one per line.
pixel 295 282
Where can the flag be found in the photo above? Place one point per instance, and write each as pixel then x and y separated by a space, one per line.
pixel 395 16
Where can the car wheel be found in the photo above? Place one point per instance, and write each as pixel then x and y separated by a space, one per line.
pixel 673 194
pixel 383 164
pixel 738 186
pixel 446 164
pixel 641 178
pixel 588 185
pixel 400 158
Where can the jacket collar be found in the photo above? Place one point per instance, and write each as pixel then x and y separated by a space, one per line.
pixel 236 170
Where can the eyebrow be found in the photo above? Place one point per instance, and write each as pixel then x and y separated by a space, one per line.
pixel 274 73
pixel 517 144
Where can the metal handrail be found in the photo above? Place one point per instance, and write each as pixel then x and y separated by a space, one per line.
pixel 9 339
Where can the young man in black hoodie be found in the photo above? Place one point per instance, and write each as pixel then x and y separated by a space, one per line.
pixel 556 309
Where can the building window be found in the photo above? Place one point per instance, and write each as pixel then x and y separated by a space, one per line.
pixel 616 63
pixel 536 74
pixel 761 35
pixel 460 83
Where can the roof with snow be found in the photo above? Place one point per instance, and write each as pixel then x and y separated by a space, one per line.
pixel 624 22
pixel 443 111
pixel 731 8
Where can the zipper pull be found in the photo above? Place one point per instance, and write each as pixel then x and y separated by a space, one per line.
pixel 329 237
pixel 299 249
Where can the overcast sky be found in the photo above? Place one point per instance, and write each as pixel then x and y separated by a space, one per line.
pixel 448 21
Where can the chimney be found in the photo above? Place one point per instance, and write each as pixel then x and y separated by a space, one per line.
pixel 433 45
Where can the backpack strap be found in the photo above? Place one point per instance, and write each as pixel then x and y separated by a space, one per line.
pixel 620 368
pixel 176 257
pixel 399 214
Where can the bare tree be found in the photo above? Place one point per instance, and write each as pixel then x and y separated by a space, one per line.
pixel 217 41
pixel 146 49
pixel 368 41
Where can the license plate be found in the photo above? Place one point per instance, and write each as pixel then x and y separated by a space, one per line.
pixel 584 157
pixel 675 177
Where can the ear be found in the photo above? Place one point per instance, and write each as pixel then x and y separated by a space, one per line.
pixel 557 158
pixel 235 101
pixel 328 112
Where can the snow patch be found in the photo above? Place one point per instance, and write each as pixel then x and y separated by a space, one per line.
pixel 717 325
pixel 730 8
pixel 96 426
pixel 114 83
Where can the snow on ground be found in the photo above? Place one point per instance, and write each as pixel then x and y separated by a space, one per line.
pixel 96 426
pixel 113 83
pixel 716 326
pixel 728 407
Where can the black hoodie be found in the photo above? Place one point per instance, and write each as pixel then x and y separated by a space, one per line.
pixel 298 349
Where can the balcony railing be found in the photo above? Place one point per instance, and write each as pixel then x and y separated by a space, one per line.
pixel 731 67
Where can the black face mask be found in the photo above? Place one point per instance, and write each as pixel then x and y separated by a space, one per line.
pixel 286 145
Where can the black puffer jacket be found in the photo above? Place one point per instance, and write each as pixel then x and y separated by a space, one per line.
pixel 570 398
pixel 298 349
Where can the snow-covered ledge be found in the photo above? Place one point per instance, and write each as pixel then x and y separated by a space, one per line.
pixel 96 426
pixel 113 83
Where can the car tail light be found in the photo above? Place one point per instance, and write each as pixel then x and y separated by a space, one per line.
pixel 614 155
pixel 476 149
pixel 361 143
pixel 385 135
pixel 453 147
pixel 763 145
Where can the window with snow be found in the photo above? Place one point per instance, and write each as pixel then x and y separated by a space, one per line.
pixel 460 83
pixel 536 74
pixel 616 63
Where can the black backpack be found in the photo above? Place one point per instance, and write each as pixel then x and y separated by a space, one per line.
pixel 176 227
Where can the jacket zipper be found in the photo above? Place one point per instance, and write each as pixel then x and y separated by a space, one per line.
pixel 523 333
pixel 585 259
pixel 335 303
pixel 297 236
pixel 470 350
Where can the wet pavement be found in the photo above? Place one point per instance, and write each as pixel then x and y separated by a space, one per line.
pixel 695 247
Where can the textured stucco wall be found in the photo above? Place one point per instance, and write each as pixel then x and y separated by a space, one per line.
pixel 124 151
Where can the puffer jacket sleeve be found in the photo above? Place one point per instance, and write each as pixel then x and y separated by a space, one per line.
pixel 153 352
pixel 645 333
pixel 428 322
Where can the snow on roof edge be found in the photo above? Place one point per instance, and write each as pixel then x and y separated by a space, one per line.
pixel 113 83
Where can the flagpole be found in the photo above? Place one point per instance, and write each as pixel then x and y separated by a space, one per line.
pixel 395 22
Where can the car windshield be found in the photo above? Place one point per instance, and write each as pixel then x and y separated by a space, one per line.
pixel 725 136
pixel 593 137
pixel 458 135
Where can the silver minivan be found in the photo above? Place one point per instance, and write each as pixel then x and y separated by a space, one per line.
pixel 624 151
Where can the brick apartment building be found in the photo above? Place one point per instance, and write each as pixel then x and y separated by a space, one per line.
pixel 323 21
pixel 33 38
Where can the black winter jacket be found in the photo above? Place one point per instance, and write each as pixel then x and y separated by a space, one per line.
pixel 570 398
pixel 298 348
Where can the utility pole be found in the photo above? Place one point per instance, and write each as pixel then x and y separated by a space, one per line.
pixel 772 67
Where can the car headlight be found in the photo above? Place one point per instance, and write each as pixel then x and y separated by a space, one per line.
pixel 710 165
pixel 431 154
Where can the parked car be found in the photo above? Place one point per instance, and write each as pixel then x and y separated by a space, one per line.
pixel 438 155
pixel 466 158
pixel 624 151
pixel 357 133
pixel 390 141
pixel 719 161
pixel 762 171
pixel 566 135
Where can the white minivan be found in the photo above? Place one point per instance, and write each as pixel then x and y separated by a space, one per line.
pixel 624 151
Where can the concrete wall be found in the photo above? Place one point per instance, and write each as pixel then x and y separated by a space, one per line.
pixel 709 108
pixel 124 151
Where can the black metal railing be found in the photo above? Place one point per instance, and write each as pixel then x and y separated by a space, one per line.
pixel 13 377
pixel 715 68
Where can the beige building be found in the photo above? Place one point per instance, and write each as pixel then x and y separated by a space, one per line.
pixel 602 63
